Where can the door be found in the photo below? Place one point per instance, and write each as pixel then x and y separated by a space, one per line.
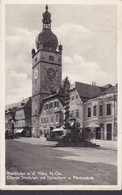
pixel 109 131
pixel 98 133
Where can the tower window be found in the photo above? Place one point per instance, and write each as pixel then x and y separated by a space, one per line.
pixel 35 59
pixel 51 58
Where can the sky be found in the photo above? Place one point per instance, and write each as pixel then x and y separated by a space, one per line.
pixel 88 34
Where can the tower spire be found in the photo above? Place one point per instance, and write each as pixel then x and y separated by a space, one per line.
pixel 46 19
pixel 46 7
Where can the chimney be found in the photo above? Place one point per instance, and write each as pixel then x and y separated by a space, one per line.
pixel 22 102
pixel 93 83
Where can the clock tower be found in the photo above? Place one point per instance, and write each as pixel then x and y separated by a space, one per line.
pixel 46 69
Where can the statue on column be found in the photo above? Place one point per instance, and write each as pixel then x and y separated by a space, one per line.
pixel 67 99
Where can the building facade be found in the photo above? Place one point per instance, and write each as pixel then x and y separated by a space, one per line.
pixel 23 118
pixel 10 119
pixel 18 117
pixel 52 113
pixel 100 115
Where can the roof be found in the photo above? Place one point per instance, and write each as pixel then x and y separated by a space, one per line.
pixel 88 91
pixel 17 105
pixel 107 86
pixel 59 96
pixel 111 90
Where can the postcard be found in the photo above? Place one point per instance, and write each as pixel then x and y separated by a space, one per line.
pixel 61 112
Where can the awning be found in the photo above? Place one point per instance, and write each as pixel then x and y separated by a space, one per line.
pixel 18 130
pixel 57 130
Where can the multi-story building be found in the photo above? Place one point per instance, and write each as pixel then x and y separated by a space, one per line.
pixel 79 93
pixel 100 115
pixel 52 113
pixel 18 119
pixel 23 118
pixel 9 119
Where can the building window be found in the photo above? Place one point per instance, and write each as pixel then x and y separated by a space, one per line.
pixel 51 119
pixel 108 109
pixel 35 59
pixel 46 106
pixel 51 105
pixel 44 120
pixel 51 58
pixel 94 110
pixel 89 112
pixel 76 96
pixel 100 110
pixel 77 113
pixel 55 104
pixel 57 118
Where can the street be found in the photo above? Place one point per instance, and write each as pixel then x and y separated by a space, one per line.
pixel 34 161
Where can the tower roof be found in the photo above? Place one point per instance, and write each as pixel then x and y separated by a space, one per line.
pixel 46 39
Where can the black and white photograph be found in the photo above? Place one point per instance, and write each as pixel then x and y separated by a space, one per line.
pixel 61 108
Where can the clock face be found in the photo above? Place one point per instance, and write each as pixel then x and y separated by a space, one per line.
pixel 35 74
pixel 51 72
